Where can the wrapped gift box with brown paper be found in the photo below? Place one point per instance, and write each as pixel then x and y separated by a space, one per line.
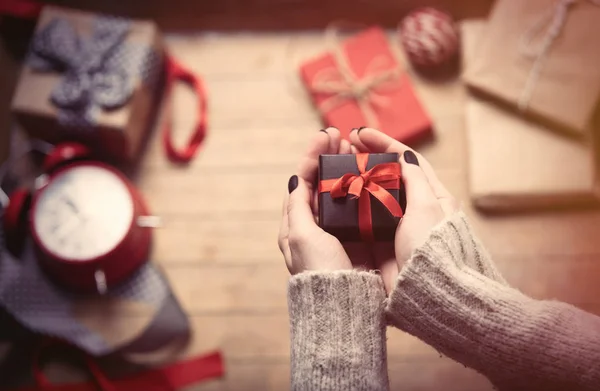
pixel 516 163
pixel 91 78
pixel 541 57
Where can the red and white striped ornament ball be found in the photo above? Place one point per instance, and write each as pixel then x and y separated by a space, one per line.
pixel 429 36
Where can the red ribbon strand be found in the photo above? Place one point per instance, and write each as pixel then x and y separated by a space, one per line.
pixel 376 181
pixel 168 378
pixel 177 72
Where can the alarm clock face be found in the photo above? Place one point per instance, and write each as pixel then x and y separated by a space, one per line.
pixel 84 212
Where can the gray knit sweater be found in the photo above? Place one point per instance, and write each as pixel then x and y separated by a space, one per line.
pixel 450 295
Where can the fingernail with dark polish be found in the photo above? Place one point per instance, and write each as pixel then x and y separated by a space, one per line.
pixel 324 131
pixel 411 158
pixel 293 183
pixel 361 128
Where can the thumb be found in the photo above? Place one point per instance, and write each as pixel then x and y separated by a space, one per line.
pixel 300 214
pixel 418 189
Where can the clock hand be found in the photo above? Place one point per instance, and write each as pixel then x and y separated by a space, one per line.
pixel 67 227
pixel 71 204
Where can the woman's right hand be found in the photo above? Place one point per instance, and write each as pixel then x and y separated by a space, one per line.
pixel 428 202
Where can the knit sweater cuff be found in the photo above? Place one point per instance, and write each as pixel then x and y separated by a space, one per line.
pixel 518 342
pixel 337 331
pixel 454 240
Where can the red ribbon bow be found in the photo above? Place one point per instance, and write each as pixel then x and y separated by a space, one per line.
pixel 375 181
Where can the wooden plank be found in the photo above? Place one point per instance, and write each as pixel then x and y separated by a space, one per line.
pixel 256 102
pixel 176 192
pixel 253 289
pixel 227 193
pixel 447 151
pixel 283 102
pixel 569 279
pixel 238 55
pixel 232 64
pixel 241 149
pixel 254 240
pixel 543 235
pixel 237 149
pixel 269 146
pixel 262 288
pixel 250 376
pixel 247 337
pixel 217 241
pixel 252 56
pixel 208 227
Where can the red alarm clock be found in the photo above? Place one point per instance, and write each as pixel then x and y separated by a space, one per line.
pixel 88 222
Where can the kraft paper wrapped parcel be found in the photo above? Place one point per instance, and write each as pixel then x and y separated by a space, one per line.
pixel 516 163
pixel 540 57
pixel 93 78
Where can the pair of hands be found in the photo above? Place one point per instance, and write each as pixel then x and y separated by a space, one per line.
pixel 307 247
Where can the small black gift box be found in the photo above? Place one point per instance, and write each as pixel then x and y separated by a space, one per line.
pixel 361 197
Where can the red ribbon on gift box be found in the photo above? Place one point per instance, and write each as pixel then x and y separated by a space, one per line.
pixel 375 181
pixel 168 378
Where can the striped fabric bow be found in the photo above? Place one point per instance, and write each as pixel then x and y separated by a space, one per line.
pixel 94 69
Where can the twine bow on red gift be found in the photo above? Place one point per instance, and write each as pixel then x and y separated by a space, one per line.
pixel 341 83
pixel 376 181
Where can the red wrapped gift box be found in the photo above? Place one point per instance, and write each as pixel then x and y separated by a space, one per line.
pixel 361 83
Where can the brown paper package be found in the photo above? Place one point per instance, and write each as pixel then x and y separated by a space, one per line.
pixel 517 164
pixel 565 96
pixel 119 133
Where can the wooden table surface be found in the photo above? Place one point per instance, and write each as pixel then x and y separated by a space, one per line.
pixel 221 213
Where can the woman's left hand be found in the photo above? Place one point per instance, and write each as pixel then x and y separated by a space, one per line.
pixel 305 246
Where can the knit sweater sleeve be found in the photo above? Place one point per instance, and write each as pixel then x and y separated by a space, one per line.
pixel 337 331
pixel 450 296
